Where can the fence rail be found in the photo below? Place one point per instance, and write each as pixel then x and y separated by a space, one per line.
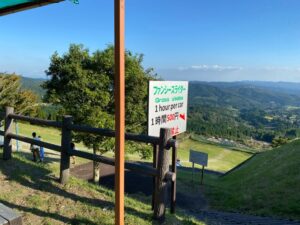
pixel 111 133
pixel 35 142
pixel 86 129
pixel 147 170
pixel 36 121
pixel 159 170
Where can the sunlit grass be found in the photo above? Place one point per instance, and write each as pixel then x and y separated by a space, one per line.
pixel 219 158
pixel 268 184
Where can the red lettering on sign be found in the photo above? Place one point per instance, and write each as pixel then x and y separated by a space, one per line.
pixel 182 116
pixel 174 130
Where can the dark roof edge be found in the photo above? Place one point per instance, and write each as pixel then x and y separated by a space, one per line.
pixel 25 6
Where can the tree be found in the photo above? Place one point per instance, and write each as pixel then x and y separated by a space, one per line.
pixel 83 85
pixel 276 142
pixel 24 101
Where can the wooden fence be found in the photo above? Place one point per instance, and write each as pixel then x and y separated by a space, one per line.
pixel 160 171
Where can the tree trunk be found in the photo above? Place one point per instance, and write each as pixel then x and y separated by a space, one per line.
pixel 96 172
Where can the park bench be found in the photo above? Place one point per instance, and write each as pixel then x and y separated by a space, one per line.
pixel 9 217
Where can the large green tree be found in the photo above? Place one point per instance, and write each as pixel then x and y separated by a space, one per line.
pixel 83 84
pixel 11 94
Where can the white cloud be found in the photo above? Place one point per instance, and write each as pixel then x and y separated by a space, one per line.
pixel 218 68
pixel 282 69
pixel 231 73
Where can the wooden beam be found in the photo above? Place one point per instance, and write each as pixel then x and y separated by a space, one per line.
pixel 132 166
pixel 119 109
pixel 161 182
pixel 66 139
pixel 173 184
pixel 36 121
pixel 111 133
pixel 35 142
pixel 26 6
pixel 7 145
pixel 92 130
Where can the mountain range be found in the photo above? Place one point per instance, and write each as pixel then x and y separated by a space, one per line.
pixel 33 84
pixel 235 110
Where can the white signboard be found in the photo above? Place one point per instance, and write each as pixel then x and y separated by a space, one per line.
pixel 167 106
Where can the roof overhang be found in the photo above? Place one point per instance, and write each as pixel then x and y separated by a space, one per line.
pixel 12 6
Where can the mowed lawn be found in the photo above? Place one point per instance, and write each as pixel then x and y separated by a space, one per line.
pixel 219 158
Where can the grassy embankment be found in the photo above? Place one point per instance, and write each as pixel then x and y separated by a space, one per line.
pixel 266 185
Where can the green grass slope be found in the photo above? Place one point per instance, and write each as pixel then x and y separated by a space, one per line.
pixel 266 185
pixel 220 159
pixel 32 189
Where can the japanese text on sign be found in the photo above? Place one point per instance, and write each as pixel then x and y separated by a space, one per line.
pixel 167 106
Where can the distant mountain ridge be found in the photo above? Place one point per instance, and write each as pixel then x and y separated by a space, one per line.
pixel 237 94
pixel 245 94
pixel 235 110
pixel 33 84
pixel 287 87
pixel 241 110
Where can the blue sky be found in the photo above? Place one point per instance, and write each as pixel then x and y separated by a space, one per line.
pixel 212 40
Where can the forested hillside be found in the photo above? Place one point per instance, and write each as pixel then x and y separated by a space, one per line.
pixel 34 85
pixel 239 110
pixel 236 110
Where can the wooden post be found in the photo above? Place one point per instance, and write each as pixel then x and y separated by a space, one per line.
pixel 119 93
pixel 161 183
pixel 193 171
pixel 155 152
pixel 66 139
pixel 173 184
pixel 202 172
pixel 8 128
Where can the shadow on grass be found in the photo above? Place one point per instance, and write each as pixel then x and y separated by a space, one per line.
pixel 198 171
pixel 55 216
pixel 37 177
pixel 140 187
pixel 137 186
pixel 49 156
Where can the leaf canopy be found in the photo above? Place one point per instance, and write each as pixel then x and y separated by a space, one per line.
pixel 83 84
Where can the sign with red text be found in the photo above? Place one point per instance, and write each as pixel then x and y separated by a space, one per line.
pixel 167 106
